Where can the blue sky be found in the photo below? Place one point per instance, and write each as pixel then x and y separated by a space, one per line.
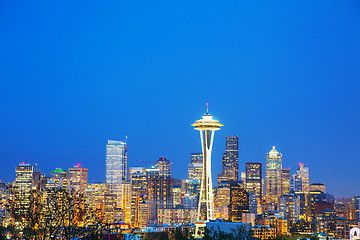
pixel 74 74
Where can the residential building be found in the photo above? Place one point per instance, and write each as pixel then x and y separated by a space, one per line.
pixel 290 207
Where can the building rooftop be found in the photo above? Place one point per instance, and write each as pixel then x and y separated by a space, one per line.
pixel 113 142
pixel 273 150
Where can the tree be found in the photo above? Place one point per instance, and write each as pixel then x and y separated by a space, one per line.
pixel 182 234
pixel 46 214
pixel 239 233
pixel 26 208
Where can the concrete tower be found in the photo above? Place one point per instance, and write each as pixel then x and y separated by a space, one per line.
pixel 207 127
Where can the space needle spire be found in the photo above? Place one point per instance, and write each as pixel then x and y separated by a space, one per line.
pixel 207 127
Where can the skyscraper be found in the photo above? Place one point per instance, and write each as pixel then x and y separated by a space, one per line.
pixel 207 127
pixel 116 162
pixel 253 182
pixel 231 156
pixel 290 207
pixel 23 185
pixel 285 181
pixel 300 180
pixel 139 195
pixel 195 167
pixel 304 175
pixel 78 178
pixel 160 196
pixel 59 177
pixel 116 167
pixel 239 201
pixel 273 176
pixel 164 167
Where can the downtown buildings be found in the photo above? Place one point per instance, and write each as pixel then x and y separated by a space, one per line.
pixel 152 197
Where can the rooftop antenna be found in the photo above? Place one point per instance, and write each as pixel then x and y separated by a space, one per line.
pixel 126 140
pixel 207 108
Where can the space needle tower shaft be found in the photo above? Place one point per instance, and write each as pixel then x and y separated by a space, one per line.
pixel 207 127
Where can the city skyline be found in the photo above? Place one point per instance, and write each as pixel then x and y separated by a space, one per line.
pixel 274 73
pixel 292 186
pixel 147 164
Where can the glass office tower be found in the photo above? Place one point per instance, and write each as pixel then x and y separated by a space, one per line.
pixel 231 156
pixel 116 162
pixel 273 176
pixel 116 167
pixel 253 182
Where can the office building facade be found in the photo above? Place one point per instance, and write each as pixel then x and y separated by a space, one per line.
pixel 239 201
pixel 116 168
pixel 78 178
pixel 253 178
pixel 273 176
pixel 231 156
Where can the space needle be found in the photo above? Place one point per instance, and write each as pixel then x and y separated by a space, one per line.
pixel 207 127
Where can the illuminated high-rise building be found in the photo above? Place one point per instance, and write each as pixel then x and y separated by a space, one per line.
pixel 195 167
pixel 78 178
pixel 109 208
pixel 355 209
pixel 207 127
pixel 300 180
pixel 285 180
pixel 139 194
pixel 116 167
pixel 230 160
pixel 192 186
pixel 24 177
pixel 59 177
pixel 227 174
pixel 116 162
pixel 296 183
pixel 136 170
pixel 95 198
pixel 303 172
pixel 196 158
pixel 239 201
pixel 164 167
pixel 38 179
pixel 317 187
pixel 273 176
pixel 126 201
pixel 58 173
pixel 231 156
pixel 152 172
pixel 253 178
pixel 222 197
pixel 23 186
pixel 160 196
pixel 222 200
pixel 290 207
